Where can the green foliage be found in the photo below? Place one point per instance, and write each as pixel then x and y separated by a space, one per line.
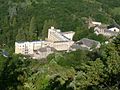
pixel 36 16
pixel 117 43
pixel 78 70
pixel 46 26
pixel 92 75
pixel 13 73
pixel 71 59
pixel 116 11
pixel 32 33
pixel 22 20
pixel 99 38
pixel 81 33
pixel 21 35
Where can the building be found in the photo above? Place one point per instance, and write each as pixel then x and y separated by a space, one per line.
pixel 27 48
pixel 60 41
pixel 108 31
pixel 85 44
pixel 43 52
pixel 93 24
pixel 56 35
pixel 113 28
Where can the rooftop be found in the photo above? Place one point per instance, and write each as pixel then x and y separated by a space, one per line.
pixel 69 32
pixel 113 25
pixel 29 41
pixel 88 42
pixel 45 49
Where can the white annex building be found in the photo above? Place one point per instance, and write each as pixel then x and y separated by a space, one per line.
pixel 27 48
pixel 109 31
pixel 60 41
pixel 106 30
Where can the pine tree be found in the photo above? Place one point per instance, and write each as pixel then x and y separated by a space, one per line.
pixel 47 25
pixel 14 22
pixel 32 29
pixel 20 35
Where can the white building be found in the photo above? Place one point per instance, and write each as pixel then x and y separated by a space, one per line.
pixel 57 35
pixel 114 29
pixel 107 30
pixel 62 46
pixel 96 23
pixel 27 48
pixel 93 24
pixel 60 41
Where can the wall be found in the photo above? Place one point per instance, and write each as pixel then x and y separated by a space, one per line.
pixel 114 29
pixel 60 46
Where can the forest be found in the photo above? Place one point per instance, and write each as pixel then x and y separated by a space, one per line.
pixel 28 20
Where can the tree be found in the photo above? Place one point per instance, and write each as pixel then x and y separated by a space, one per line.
pixel 14 73
pixel 20 35
pixel 14 22
pixel 109 54
pixel 32 29
pixel 91 73
pixel 81 32
pixel 116 42
pixel 47 25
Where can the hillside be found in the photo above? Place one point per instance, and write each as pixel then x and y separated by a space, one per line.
pixel 28 20
pixel 32 17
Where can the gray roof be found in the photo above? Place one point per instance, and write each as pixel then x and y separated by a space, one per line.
pixel 88 42
pixel 106 29
pixel 113 25
pixel 77 46
pixel 44 49
pixel 85 41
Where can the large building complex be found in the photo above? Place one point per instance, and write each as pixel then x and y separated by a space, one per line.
pixel 60 41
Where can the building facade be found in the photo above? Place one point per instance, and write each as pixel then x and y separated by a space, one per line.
pixel 85 44
pixel 27 48
pixel 107 30
pixel 60 41
pixel 56 35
